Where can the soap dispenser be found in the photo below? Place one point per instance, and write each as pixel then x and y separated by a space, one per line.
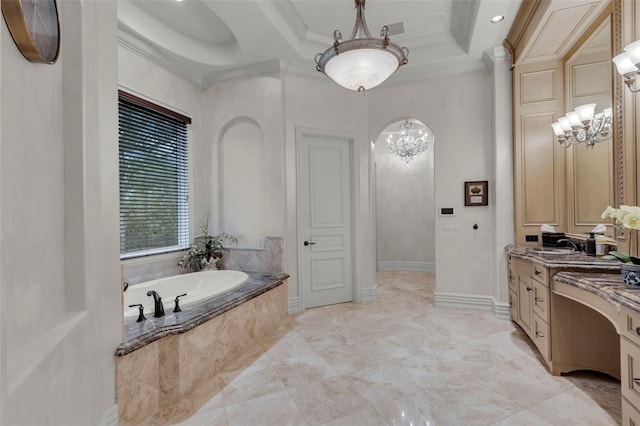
pixel 590 246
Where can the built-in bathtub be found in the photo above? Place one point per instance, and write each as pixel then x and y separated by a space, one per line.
pixel 197 286
pixel 163 361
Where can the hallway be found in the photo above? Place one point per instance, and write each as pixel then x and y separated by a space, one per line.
pixel 401 361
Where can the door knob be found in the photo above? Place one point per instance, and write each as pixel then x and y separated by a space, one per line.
pixel 307 243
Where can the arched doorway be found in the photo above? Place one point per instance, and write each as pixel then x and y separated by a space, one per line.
pixel 404 199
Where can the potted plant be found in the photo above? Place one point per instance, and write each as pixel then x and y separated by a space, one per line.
pixel 205 252
pixel 626 217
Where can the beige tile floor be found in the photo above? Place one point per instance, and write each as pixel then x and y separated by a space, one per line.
pixel 401 361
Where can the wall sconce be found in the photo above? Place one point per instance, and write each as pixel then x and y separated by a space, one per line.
pixel 582 125
pixel 627 64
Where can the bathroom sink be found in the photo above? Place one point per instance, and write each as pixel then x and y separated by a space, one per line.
pixel 551 250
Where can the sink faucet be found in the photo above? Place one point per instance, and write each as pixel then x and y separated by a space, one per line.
pixel 158 309
pixel 569 242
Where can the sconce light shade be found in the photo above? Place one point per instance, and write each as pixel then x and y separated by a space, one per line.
pixel 585 112
pixel 564 124
pixel 624 64
pixel 574 119
pixel 557 129
pixel 633 50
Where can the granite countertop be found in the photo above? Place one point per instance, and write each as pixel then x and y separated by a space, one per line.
pixel 139 334
pixel 608 286
pixel 562 260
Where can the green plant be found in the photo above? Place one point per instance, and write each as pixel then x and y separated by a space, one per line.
pixel 205 249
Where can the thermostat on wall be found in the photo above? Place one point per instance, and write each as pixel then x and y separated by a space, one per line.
pixel 446 211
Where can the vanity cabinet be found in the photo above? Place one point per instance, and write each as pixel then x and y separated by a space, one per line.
pixel 630 366
pixel 529 288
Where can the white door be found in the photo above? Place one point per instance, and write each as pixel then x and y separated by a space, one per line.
pixel 324 194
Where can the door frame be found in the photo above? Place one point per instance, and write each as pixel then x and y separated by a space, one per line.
pixel 355 197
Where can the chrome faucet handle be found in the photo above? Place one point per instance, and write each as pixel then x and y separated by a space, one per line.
pixel 177 307
pixel 141 316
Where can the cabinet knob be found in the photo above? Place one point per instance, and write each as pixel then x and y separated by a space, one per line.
pixel 636 381
pixel 529 289
pixel 638 331
pixel 539 299
pixel 537 272
pixel 542 335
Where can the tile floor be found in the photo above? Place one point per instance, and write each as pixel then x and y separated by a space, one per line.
pixel 401 361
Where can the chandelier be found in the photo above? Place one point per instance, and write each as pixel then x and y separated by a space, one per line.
pixel 408 146
pixel 582 126
pixel 362 62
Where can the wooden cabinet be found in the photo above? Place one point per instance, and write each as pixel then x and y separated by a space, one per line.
pixel 529 291
pixel 630 366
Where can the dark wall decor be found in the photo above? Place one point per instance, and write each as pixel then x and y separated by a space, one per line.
pixel 476 193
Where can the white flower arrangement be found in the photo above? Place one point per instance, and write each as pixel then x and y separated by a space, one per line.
pixel 625 216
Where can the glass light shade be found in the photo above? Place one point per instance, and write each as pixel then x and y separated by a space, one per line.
pixel 361 68
pixel 624 64
pixel 574 119
pixel 585 112
pixel 564 123
pixel 633 50
pixel 557 129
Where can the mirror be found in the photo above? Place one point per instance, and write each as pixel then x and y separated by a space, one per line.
pixel 590 171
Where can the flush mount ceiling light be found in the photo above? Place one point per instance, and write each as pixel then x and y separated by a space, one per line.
pixel 497 18
pixel 362 62
pixel 408 146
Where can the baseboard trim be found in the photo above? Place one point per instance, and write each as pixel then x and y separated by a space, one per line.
pixel 468 301
pixel 110 416
pixel 407 266
pixel 294 305
pixel 369 294
pixel 501 310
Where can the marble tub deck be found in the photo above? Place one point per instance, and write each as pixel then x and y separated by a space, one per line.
pixel 163 368
pixel 399 361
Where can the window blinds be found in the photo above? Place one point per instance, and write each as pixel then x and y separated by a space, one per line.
pixel 154 184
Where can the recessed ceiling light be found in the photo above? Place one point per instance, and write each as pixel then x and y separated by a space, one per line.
pixel 497 18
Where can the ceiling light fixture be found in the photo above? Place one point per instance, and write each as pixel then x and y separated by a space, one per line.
pixel 583 126
pixel 497 18
pixel 362 62
pixel 408 146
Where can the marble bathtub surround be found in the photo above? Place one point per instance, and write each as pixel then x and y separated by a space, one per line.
pixel 163 378
pixel 268 259
pixel 139 334
pixel 398 360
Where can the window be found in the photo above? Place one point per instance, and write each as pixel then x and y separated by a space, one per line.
pixel 154 178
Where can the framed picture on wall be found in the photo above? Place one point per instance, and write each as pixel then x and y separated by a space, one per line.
pixel 475 193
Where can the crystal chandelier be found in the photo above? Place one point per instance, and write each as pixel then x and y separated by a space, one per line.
pixel 582 126
pixel 362 62
pixel 408 146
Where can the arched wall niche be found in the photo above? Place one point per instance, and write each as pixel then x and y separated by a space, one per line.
pixel 241 181
pixel 404 199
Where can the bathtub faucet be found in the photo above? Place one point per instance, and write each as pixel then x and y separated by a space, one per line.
pixel 158 309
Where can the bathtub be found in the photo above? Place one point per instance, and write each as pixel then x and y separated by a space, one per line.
pixel 198 286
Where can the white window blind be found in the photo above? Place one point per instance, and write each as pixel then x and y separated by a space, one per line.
pixel 154 178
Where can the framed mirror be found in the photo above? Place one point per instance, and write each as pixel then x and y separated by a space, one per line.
pixel 591 172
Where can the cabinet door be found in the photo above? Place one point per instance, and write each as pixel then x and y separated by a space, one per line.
pixel 525 302
pixel 513 304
